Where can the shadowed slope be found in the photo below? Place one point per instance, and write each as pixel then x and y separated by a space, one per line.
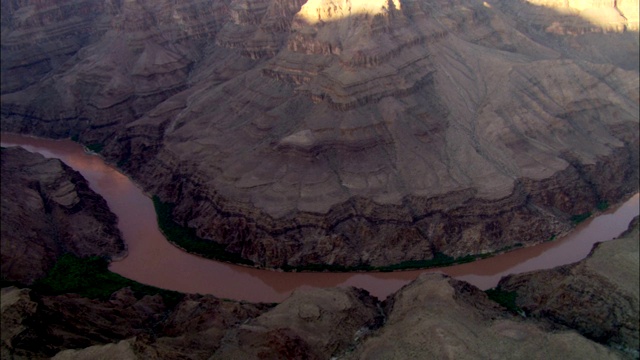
pixel 349 133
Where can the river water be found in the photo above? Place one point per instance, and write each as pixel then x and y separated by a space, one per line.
pixel 154 261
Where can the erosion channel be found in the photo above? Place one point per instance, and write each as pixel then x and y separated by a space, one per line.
pixel 154 261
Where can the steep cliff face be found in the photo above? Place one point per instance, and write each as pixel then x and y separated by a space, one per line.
pixel 349 132
pixel 581 29
pixel 591 15
pixel 588 310
pixel 48 210
pixel 598 296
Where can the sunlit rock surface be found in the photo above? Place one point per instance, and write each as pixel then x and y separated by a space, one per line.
pixel 606 15
pixel 342 132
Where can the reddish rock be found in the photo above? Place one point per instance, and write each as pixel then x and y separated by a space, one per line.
pixel 48 210
pixel 598 296
pixel 345 132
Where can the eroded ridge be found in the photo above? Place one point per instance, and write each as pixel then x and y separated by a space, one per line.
pixel 349 132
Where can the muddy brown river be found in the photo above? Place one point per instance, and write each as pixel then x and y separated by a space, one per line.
pixel 154 261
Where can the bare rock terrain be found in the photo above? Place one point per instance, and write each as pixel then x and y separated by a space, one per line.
pixel 48 210
pixel 598 296
pixel 588 310
pixel 318 324
pixel 434 317
pixel 73 327
pixel 342 132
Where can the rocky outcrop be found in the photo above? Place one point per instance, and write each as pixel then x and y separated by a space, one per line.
pixel 580 29
pixel 350 133
pixel 586 15
pixel 433 317
pixel 48 210
pixel 43 326
pixel 318 324
pixel 597 296
pixel 436 317
pixel 16 306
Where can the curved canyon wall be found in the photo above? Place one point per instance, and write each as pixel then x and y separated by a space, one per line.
pixel 434 316
pixel 49 210
pixel 341 132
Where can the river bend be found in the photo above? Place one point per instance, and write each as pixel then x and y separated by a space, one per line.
pixel 154 261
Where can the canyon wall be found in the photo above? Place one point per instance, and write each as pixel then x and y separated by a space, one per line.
pixel 586 310
pixel 597 296
pixel 351 133
pixel 49 210
pixel 433 317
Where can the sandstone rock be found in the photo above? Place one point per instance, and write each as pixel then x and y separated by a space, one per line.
pixel 436 317
pixel 16 309
pixel 349 132
pixel 49 210
pixel 581 29
pixel 313 324
pixel 121 350
pixel 133 327
pixel 433 317
pixel 608 15
pixel 598 296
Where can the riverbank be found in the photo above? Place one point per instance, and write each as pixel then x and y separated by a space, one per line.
pixel 81 309
pixel 186 239
pixel 149 326
pixel 154 261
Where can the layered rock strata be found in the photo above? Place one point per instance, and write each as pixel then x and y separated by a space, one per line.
pixel 581 29
pixel 319 324
pixel 597 296
pixel 38 37
pixel 351 132
pixel 583 16
pixel 433 317
pixel 436 317
pixel 48 210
